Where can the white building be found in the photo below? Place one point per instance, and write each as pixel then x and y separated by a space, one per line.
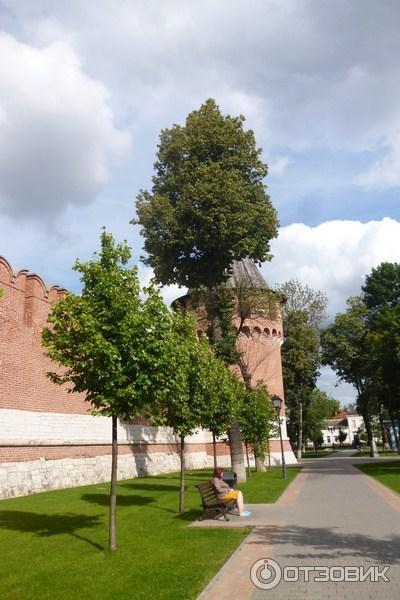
pixel 348 422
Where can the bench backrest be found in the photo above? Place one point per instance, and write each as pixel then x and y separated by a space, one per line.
pixel 207 492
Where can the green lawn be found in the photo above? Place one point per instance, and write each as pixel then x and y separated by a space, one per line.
pixel 54 544
pixel 365 452
pixel 319 454
pixel 387 473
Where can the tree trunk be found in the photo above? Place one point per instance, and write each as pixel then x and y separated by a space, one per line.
pixel 260 466
pixel 214 451
pixel 182 476
pixel 385 444
pixel 259 457
pixel 245 373
pixel 248 461
pixel 396 437
pixel 371 442
pixel 182 479
pixel 213 313
pixel 113 488
pixel 300 433
pixel 236 449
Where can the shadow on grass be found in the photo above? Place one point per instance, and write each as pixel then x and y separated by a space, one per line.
pixel 189 515
pixel 104 500
pixel 152 487
pixel 49 525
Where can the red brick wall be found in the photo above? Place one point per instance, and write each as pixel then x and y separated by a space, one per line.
pixel 23 364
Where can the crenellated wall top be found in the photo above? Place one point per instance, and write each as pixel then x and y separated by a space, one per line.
pixel 31 284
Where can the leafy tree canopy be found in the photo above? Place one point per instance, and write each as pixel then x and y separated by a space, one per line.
pixel 382 287
pixel 298 297
pixel 345 344
pixel 202 390
pixel 208 205
pixel 300 358
pixel 110 341
pixel 320 408
pixel 257 416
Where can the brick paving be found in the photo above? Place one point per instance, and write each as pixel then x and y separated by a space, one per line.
pixel 331 515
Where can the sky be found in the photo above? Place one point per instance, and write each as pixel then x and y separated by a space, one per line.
pixel 86 87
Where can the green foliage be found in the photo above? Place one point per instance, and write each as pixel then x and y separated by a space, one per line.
pixel 223 308
pixel 300 358
pixel 298 297
pixel 342 437
pixel 201 390
pixel 321 407
pixel 345 345
pixel 363 344
pixel 382 287
pixel 302 310
pixel 381 295
pixel 111 342
pixel 208 205
pixel 256 418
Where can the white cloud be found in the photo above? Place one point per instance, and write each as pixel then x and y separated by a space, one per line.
pixel 334 256
pixel 278 166
pixel 57 134
pixel 385 172
pixel 326 79
pixel 168 292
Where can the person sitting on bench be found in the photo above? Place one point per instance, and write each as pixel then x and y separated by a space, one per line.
pixel 226 493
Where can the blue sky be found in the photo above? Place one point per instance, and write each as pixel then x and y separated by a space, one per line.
pixel 85 88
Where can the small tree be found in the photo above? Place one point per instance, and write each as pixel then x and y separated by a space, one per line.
pixel 200 384
pixel 342 436
pixel 111 343
pixel 257 417
pixel 320 408
pixel 221 400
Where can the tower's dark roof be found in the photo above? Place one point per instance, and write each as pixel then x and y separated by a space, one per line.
pixel 246 273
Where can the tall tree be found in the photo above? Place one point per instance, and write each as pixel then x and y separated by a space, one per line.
pixel 382 287
pixel 300 360
pixel 299 297
pixel 111 343
pixel 208 207
pixel 381 296
pixel 346 347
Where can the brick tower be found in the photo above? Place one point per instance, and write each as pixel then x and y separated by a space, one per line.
pixel 259 340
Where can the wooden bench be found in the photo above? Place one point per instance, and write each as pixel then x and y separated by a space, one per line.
pixel 213 507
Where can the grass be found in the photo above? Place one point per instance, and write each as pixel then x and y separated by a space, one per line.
pixel 261 488
pixel 54 544
pixel 319 454
pixel 387 473
pixel 366 451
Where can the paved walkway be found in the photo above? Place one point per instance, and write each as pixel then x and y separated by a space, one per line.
pixel 332 515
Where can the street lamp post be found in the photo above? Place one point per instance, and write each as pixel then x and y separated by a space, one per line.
pixel 277 403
